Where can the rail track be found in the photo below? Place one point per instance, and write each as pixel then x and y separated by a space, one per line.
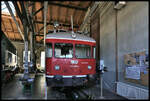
pixel 74 93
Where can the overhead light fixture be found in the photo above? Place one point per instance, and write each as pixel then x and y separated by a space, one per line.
pixel 56 24
pixel 119 4
pixel 73 35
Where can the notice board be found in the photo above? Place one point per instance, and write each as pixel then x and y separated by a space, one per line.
pixel 137 67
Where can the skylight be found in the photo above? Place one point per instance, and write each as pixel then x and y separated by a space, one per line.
pixel 5 10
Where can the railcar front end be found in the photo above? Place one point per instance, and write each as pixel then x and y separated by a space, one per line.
pixel 69 62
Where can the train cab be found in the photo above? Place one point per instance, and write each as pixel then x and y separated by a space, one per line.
pixel 70 59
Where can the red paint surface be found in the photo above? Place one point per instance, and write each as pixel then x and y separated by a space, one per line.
pixel 66 68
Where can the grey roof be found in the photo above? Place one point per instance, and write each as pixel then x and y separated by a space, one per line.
pixel 68 35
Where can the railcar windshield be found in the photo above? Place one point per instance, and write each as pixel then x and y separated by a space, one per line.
pixel 63 50
pixel 49 50
pixel 82 51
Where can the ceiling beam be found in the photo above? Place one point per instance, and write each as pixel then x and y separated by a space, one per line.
pixel 17 10
pixel 40 35
pixel 7 17
pixel 68 6
pixel 36 25
pixel 12 28
pixel 11 31
pixel 11 25
pixel 38 10
pixel 5 29
pixel 4 25
pixel 41 29
pixel 61 24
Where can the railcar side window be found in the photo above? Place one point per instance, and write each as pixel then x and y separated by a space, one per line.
pixel 94 52
pixel 49 50
pixel 82 51
pixel 63 50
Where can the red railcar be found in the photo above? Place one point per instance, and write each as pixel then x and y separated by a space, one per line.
pixel 70 61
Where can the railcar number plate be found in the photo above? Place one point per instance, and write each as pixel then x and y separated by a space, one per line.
pixel 74 61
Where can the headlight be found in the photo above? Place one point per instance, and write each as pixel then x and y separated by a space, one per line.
pixel 57 67
pixel 89 67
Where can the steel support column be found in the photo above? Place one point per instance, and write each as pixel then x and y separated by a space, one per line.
pixel 34 37
pixel 26 30
pixel 45 12
pixel 26 71
pixel 31 36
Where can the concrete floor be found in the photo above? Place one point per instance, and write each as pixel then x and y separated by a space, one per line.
pixel 14 90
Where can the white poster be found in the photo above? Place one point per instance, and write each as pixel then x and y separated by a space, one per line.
pixel 42 60
pixel 101 64
pixel 24 56
pixel 133 72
